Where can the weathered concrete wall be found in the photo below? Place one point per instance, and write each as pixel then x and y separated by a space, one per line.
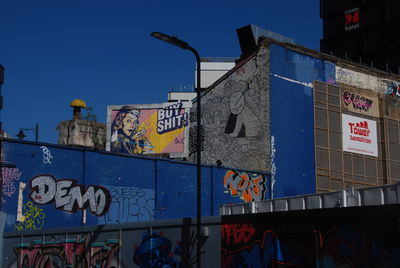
pixel 82 133
pixel 367 79
pixel 235 117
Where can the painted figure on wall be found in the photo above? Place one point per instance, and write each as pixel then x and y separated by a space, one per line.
pixel 155 251
pixel 127 136
pixel 243 120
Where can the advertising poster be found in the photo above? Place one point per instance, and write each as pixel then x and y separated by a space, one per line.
pixel 149 129
pixel 359 135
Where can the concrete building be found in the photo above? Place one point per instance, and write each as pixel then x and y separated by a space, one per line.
pixel 79 131
pixel 291 110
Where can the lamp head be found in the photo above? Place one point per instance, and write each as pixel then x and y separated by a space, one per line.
pixel 171 40
pixel 21 135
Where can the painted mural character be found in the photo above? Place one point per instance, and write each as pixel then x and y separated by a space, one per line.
pixel 242 121
pixel 127 137
pixel 155 251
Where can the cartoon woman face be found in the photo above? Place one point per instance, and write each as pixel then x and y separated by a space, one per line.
pixel 129 124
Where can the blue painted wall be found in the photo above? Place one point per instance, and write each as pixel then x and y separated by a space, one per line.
pixel 292 118
pixel 137 188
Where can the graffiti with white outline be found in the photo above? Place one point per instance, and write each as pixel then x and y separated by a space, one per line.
pixel 247 186
pixel 68 195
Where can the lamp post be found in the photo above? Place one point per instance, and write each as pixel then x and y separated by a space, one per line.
pixel 182 44
pixel 21 135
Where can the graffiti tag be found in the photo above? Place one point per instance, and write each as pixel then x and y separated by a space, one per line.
pixel 237 233
pixel 68 196
pixel 273 166
pixel 33 218
pixel 248 186
pixel 130 204
pixel 359 102
pixel 10 176
pixel 171 118
pixel 47 157
pixel 69 253
pixel 392 87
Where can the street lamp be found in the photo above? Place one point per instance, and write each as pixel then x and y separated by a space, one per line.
pixel 182 44
pixel 21 135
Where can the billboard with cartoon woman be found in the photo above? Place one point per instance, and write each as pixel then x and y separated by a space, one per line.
pixel 149 129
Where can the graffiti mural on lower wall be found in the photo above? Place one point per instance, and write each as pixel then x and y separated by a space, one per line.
pixel 353 237
pixel 154 250
pixel 77 252
pixel 336 239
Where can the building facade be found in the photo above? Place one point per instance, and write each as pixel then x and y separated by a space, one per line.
pixel 364 31
pixel 316 122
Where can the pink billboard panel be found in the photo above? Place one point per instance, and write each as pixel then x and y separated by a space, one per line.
pixel 149 129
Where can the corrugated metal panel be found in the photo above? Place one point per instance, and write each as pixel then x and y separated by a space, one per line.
pixel 372 196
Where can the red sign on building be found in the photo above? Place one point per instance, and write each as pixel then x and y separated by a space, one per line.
pixel 352 19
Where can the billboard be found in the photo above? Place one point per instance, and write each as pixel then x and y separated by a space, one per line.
pixel 149 129
pixel 359 135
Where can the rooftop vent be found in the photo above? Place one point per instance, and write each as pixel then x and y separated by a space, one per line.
pixel 249 35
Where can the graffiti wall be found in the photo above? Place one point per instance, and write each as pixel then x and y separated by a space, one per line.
pixel 65 186
pixel 338 237
pixel 235 118
pixel 141 245
pixel 149 129
pixel 347 237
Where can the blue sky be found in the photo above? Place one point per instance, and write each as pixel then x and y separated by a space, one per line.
pixel 101 51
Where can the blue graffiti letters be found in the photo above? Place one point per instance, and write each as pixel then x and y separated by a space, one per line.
pixel 68 196
pixel 171 118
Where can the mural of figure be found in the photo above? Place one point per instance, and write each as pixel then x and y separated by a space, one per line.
pixel 127 137
pixel 242 121
pixel 155 251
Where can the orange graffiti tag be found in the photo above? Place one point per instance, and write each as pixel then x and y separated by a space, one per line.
pixel 248 186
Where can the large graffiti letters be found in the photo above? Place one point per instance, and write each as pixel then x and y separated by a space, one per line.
pixel 248 186
pixel 69 253
pixel 68 196
pixel 359 102
pixel 171 118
